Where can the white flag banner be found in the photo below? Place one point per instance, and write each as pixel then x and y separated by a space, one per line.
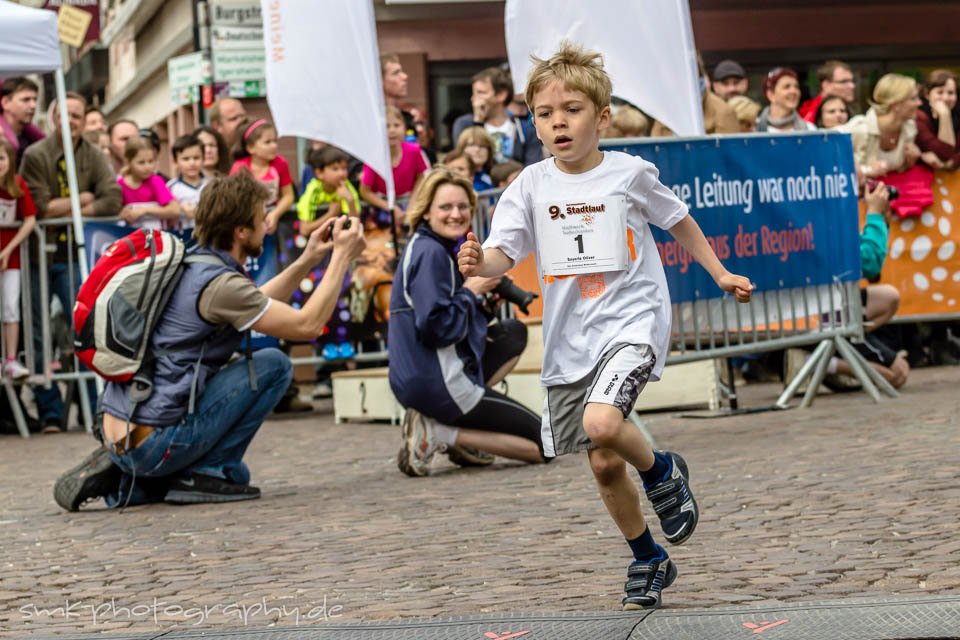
pixel 339 101
pixel 647 48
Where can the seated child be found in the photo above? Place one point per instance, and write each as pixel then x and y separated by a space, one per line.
pixel 329 186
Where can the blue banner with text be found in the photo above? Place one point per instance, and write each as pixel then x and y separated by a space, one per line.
pixel 778 209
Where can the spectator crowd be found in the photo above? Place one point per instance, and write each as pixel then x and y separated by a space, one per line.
pixel 907 130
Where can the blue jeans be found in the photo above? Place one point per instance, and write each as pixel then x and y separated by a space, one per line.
pixel 50 407
pixel 212 440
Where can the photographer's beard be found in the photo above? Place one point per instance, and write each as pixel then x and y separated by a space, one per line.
pixel 252 248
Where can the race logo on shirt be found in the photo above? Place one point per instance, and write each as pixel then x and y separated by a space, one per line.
pixel 585 210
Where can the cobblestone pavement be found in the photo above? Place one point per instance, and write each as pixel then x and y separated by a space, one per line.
pixel 846 499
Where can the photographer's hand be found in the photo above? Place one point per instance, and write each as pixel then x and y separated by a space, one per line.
pixel 319 244
pixel 480 286
pixel 348 243
pixel 877 199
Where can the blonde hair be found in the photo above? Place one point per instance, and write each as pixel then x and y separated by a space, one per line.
pixel 135 145
pixel 891 89
pixel 478 135
pixel 630 122
pixel 578 70
pixel 394 112
pixel 426 191
pixel 746 109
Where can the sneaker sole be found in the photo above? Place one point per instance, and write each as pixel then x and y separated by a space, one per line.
pixel 72 484
pixel 667 581
pixel 674 540
pixel 194 497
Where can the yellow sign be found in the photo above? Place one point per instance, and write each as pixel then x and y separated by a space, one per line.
pixel 73 24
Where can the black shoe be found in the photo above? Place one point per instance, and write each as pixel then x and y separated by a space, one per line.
pixel 195 488
pixel 292 404
pixel 645 581
pixel 93 478
pixel 673 501
pixel 468 456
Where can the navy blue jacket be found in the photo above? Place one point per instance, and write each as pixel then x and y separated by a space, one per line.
pixel 437 331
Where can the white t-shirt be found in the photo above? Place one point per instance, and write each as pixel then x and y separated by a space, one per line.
pixel 586 315
pixel 185 194
pixel 504 137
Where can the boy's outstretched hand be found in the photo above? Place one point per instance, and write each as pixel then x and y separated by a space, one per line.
pixel 739 286
pixel 470 258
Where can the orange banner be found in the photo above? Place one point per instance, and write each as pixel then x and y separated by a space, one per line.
pixel 922 255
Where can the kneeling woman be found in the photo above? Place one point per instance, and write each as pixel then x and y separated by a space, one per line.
pixel 444 350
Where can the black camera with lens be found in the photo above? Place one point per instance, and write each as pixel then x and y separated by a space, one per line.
pixel 892 191
pixel 509 291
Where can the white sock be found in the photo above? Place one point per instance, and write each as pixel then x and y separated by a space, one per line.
pixel 443 433
pixel 832 365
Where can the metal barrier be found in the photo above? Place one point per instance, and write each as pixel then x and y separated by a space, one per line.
pixel 38 259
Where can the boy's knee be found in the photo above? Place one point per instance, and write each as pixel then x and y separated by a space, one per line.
pixel 606 466
pixel 602 423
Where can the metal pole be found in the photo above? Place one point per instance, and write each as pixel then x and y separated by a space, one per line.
pixel 201 43
pixel 67 141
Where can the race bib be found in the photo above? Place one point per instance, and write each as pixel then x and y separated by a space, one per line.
pixel 8 213
pixel 582 236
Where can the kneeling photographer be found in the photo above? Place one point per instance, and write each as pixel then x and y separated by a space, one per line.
pixel 446 349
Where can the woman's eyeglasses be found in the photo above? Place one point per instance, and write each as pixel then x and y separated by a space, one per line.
pixel 448 207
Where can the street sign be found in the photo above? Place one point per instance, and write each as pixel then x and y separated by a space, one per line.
pixel 188 70
pixel 73 24
pixel 233 65
pixel 236 37
pixel 184 95
pixel 235 13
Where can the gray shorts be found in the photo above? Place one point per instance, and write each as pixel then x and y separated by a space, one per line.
pixel 617 380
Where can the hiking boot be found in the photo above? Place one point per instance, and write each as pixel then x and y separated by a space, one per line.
pixel 195 488
pixel 419 446
pixel 468 456
pixel 645 580
pixel 673 501
pixel 93 478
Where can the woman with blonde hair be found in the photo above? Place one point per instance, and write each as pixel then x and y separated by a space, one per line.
pixel 447 349
pixel 883 138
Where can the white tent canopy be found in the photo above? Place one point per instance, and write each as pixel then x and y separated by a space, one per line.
pixel 28 40
pixel 29 43
pixel 647 48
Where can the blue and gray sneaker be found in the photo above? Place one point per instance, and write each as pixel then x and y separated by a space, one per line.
pixel 645 580
pixel 673 501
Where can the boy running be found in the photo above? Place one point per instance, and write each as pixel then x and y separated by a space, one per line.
pixel 606 320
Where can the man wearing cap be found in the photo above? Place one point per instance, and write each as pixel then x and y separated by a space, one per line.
pixel 836 79
pixel 729 79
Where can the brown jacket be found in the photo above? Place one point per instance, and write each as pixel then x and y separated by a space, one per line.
pixel 94 174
